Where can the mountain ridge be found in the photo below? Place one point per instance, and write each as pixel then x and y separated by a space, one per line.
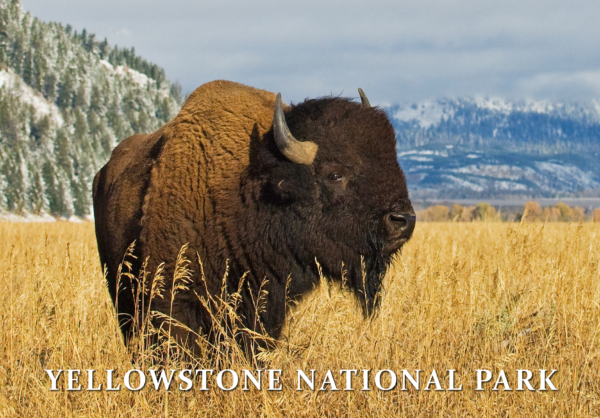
pixel 494 148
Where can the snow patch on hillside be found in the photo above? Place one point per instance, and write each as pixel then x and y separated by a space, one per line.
pixel 420 159
pixel 500 105
pixel 502 171
pixel 139 78
pixel 494 104
pixel 481 184
pixel 462 183
pixel 568 173
pixel 9 80
pixel 509 186
pixel 541 106
pixel 423 152
pixel 427 113
pixel 124 71
pixel 107 64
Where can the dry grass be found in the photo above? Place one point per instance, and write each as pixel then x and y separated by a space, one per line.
pixel 463 296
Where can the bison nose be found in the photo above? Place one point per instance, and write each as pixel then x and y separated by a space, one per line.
pixel 401 224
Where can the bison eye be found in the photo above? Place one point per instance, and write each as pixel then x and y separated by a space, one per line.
pixel 336 177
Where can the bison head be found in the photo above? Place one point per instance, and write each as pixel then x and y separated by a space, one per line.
pixel 328 169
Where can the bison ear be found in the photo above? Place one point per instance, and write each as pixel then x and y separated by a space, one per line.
pixel 291 183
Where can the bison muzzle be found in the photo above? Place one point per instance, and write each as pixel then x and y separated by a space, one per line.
pixel 275 194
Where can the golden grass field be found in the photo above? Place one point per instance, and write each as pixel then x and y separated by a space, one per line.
pixel 463 296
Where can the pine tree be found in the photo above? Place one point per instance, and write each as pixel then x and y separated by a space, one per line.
pixel 81 196
pixel 36 197
pixel 18 49
pixel 14 192
pixel 81 100
pixel 55 202
pixel 62 151
pixel 49 89
pixel 66 91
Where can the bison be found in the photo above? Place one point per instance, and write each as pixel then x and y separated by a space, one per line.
pixel 272 193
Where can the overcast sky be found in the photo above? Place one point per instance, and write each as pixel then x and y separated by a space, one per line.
pixel 397 51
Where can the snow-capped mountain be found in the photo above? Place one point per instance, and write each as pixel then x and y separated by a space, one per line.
pixel 488 148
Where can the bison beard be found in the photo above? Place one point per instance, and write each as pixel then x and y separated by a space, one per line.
pixel 232 181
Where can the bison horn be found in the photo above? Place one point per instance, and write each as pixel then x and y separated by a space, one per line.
pixel 363 98
pixel 294 150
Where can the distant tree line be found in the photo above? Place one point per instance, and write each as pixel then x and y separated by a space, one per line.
pixel 531 212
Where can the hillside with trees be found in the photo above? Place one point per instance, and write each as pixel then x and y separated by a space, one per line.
pixel 66 100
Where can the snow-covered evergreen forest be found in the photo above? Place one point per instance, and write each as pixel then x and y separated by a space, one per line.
pixel 66 99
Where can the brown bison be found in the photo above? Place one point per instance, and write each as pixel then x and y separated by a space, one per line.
pixel 261 189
